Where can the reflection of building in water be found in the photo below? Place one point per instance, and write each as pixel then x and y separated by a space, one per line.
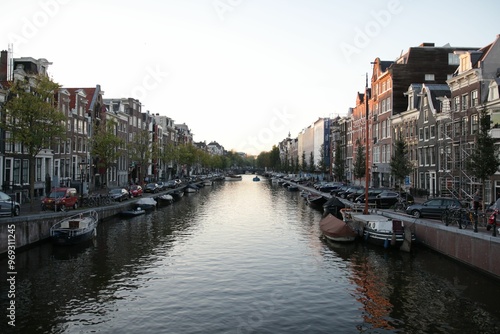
pixel 372 295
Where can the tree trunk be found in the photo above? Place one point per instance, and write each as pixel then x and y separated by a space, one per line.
pixel 32 160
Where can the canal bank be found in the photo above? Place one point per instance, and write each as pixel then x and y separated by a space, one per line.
pixel 33 226
pixel 476 250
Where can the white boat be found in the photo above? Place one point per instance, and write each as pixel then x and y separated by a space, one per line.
pixel 137 211
pixel 233 177
pixel 191 188
pixel 75 229
pixel 165 199
pixel 146 203
pixel 208 182
pixel 385 231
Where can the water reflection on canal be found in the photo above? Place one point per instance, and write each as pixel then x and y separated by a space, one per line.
pixel 242 257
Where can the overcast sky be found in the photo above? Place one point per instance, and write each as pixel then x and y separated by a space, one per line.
pixel 244 73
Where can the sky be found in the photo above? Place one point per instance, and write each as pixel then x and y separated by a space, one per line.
pixel 244 73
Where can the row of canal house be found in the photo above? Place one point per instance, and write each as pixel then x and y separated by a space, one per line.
pixel 430 96
pixel 70 162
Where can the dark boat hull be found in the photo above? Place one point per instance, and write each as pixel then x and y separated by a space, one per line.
pixel 61 238
pixel 385 239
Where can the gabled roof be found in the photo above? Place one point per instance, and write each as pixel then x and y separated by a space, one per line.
pixel 435 91
pixel 89 92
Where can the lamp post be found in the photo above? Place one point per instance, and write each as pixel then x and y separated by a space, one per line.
pixel 82 167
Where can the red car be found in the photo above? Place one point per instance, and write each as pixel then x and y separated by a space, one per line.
pixel 135 190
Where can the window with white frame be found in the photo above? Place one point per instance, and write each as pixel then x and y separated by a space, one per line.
pixel 456 103
pixel 429 77
pixel 432 131
pixel 464 126
pixel 376 154
pixel 421 134
pixel 465 101
pixel 474 124
pixel 387 153
pixel 388 104
pixel 474 100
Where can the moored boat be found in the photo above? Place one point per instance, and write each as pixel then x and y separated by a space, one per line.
pixel 75 229
pixel 177 194
pixel 384 231
pixel 146 203
pixel 191 188
pixel 165 199
pixel 256 179
pixel 233 177
pixel 315 199
pixel 336 230
pixel 137 211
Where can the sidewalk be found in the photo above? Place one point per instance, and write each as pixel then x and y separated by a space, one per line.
pixel 28 208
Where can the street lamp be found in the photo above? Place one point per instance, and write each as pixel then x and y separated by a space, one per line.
pixel 375 177
pixel 82 167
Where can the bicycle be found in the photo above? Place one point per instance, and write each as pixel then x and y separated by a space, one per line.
pixel 401 205
pixel 449 215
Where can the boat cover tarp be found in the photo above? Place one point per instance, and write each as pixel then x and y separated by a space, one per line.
pixel 334 202
pixel 334 227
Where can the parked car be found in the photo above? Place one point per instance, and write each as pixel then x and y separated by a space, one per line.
pixel 8 207
pixel 336 191
pixel 119 194
pixel 329 187
pixel 151 188
pixel 353 195
pixel 61 199
pixel 388 198
pixel 162 185
pixel 372 196
pixel 433 207
pixel 135 190
pixel 171 184
pixel 351 189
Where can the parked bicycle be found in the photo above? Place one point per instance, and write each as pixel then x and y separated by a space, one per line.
pixel 401 205
pixel 450 214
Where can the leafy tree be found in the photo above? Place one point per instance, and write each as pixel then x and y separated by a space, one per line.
pixel 339 168
pixel 400 163
pixel 187 156
pixel 105 145
pixel 170 155
pixel 140 152
pixel 360 162
pixel 304 162
pixel 31 117
pixel 275 158
pixel 312 166
pixel 483 160
pixel 322 161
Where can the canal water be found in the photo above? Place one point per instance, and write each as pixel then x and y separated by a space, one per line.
pixel 242 257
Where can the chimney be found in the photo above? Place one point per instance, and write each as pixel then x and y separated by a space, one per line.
pixel 3 65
